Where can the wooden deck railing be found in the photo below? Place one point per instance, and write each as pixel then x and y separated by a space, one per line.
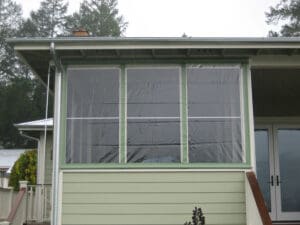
pixel 259 200
pixel 38 202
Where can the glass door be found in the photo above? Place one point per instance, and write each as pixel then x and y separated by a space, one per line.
pixel 287 180
pixel 278 169
pixel 265 167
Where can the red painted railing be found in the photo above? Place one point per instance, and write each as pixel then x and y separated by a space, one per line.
pixel 259 200
pixel 21 195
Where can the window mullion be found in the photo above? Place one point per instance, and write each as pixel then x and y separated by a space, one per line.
pixel 122 115
pixel 184 115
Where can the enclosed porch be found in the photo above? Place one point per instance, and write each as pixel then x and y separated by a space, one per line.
pixel 276 94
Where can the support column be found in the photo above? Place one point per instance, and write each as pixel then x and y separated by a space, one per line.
pixel 55 217
pixel 40 179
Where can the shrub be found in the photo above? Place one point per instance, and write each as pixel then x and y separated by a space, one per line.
pixel 197 218
pixel 24 169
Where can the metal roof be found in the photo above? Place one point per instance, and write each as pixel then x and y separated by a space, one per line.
pixel 159 39
pixel 94 50
pixel 8 157
pixel 36 125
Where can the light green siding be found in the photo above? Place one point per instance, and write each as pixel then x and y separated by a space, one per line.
pixel 152 197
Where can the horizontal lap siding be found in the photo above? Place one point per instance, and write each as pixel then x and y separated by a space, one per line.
pixel 152 198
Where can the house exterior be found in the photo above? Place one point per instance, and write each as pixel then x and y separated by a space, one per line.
pixel 146 129
pixel 38 206
pixel 36 130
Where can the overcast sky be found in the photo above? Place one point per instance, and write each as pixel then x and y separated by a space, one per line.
pixel 196 18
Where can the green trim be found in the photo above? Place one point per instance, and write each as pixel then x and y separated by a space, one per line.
pixel 184 115
pixel 245 71
pixel 122 123
pixel 155 166
pixel 184 120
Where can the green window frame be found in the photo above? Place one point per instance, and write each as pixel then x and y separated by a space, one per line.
pixel 245 124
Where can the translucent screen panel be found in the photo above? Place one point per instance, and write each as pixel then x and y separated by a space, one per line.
pixel 153 110
pixel 92 115
pixel 153 141
pixel 92 141
pixel 93 92
pixel 153 92
pixel 213 91
pixel 289 158
pixel 214 115
pixel 262 164
pixel 215 140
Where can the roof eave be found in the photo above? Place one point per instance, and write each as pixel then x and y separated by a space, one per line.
pixel 154 43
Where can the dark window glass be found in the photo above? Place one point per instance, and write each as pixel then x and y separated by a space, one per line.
pixel 153 124
pixel 262 163
pixel 153 92
pixel 92 115
pixel 214 120
pixel 289 157
pixel 153 141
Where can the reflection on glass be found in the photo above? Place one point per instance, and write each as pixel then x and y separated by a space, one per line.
pixel 262 164
pixel 289 160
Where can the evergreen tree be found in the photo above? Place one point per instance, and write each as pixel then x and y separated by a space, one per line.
pixel 10 22
pixel 48 21
pixel 99 17
pixel 22 97
pixel 287 11
pixel 21 100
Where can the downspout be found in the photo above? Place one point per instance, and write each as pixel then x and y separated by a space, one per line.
pixel 56 137
pixel 29 137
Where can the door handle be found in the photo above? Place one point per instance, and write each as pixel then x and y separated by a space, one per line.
pixel 277 180
pixel 271 181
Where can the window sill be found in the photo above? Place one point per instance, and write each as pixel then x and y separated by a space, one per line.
pixel 156 166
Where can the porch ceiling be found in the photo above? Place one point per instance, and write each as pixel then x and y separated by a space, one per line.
pixel 276 92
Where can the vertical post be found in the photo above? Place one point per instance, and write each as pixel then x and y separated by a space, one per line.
pixel 56 139
pixel 184 115
pixel 122 116
pixel 23 185
pixel 45 197
pixel 40 177
pixel 11 193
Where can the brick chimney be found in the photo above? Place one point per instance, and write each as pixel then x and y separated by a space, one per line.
pixel 81 32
